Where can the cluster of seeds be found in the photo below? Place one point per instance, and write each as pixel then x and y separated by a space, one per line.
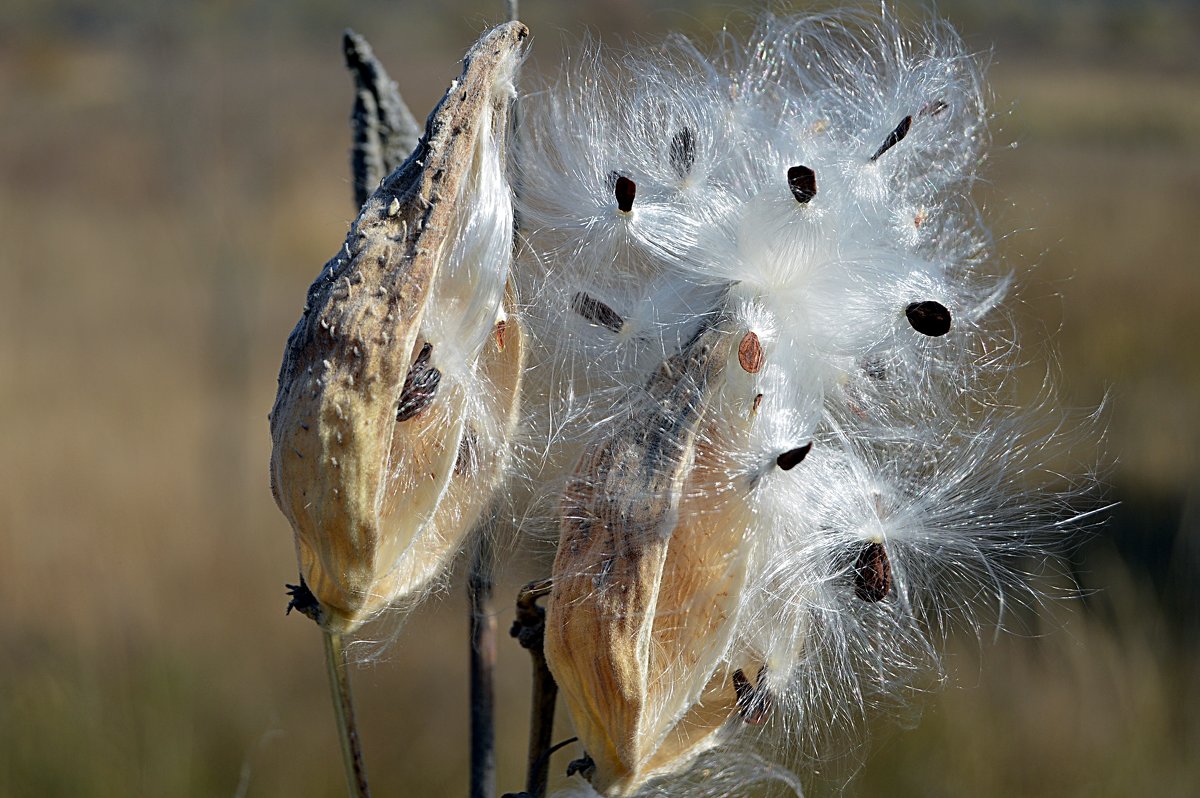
pixel 757 288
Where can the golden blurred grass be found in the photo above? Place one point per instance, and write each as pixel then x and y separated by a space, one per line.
pixel 172 179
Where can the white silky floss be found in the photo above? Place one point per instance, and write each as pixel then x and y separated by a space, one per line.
pixel 809 193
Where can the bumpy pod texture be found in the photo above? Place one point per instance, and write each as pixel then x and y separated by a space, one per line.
pixel 399 386
pixel 761 292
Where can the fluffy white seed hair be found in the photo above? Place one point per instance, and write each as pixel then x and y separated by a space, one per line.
pixel 808 193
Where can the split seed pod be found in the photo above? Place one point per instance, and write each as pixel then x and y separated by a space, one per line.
pixel 649 569
pixel 399 386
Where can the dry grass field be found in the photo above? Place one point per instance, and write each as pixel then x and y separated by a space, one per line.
pixel 171 178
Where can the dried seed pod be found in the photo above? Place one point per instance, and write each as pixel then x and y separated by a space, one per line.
pixel 650 563
pixel 374 501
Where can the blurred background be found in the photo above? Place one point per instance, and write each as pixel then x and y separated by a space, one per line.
pixel 174 174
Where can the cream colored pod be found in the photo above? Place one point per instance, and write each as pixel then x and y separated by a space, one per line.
pixel 651 563
pixel 399 387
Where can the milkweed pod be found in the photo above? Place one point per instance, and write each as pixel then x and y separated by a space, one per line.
pixel 646 582
pixel 399 386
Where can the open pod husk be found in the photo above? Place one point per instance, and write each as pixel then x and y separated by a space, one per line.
pixel 651 561
pixel 381 468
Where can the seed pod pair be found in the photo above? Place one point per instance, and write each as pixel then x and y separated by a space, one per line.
pixel 399 388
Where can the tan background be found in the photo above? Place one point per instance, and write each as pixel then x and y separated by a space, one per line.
pixel 172 175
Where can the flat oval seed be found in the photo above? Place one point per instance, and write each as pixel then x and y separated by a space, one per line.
pixel 933 108
pixel 753 703
pixel 625 190
pixel 596 311
pixel 683 151
pixel 894 137
pixel 750 353
pixel 420 384
pixel 803 183
pixel 872 573
pixel 793 457
pixel 467 458
pixel 929 318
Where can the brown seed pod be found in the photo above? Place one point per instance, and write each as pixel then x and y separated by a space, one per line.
pixel 359 486
pixel 650 562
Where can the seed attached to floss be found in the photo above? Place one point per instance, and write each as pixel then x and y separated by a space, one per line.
pixel 753 703
pixel 683 152
pixel 419 386
pixel 757 403
pixel 596 311
pixel 750 353
pixel 933 108
pixel 793 457
pixel 894 137
pixel 872 573
pixel 803 183
pixel 624 190
pixel 929 318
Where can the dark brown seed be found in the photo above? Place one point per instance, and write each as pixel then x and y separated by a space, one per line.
pixel 420 384
pixel 596 311
pixel 753 703
pixel 933 108
pixel 500 328
pixel 872 573
pixel 625 190
pixel 875 369
pixel 894 137
pixel 793 457
pixel 755 405
pixel 750 353
pixel 803 183
pixel 683 151
pixel 928 318
pixel 465 460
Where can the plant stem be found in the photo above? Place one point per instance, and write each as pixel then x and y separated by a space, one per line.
pixel 529 629
pixel 343 707
pixel 483 665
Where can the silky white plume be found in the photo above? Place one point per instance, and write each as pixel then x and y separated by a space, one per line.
pixel 852 473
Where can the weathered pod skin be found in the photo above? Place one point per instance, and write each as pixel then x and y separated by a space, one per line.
pixel 379 505
pixel 650 564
